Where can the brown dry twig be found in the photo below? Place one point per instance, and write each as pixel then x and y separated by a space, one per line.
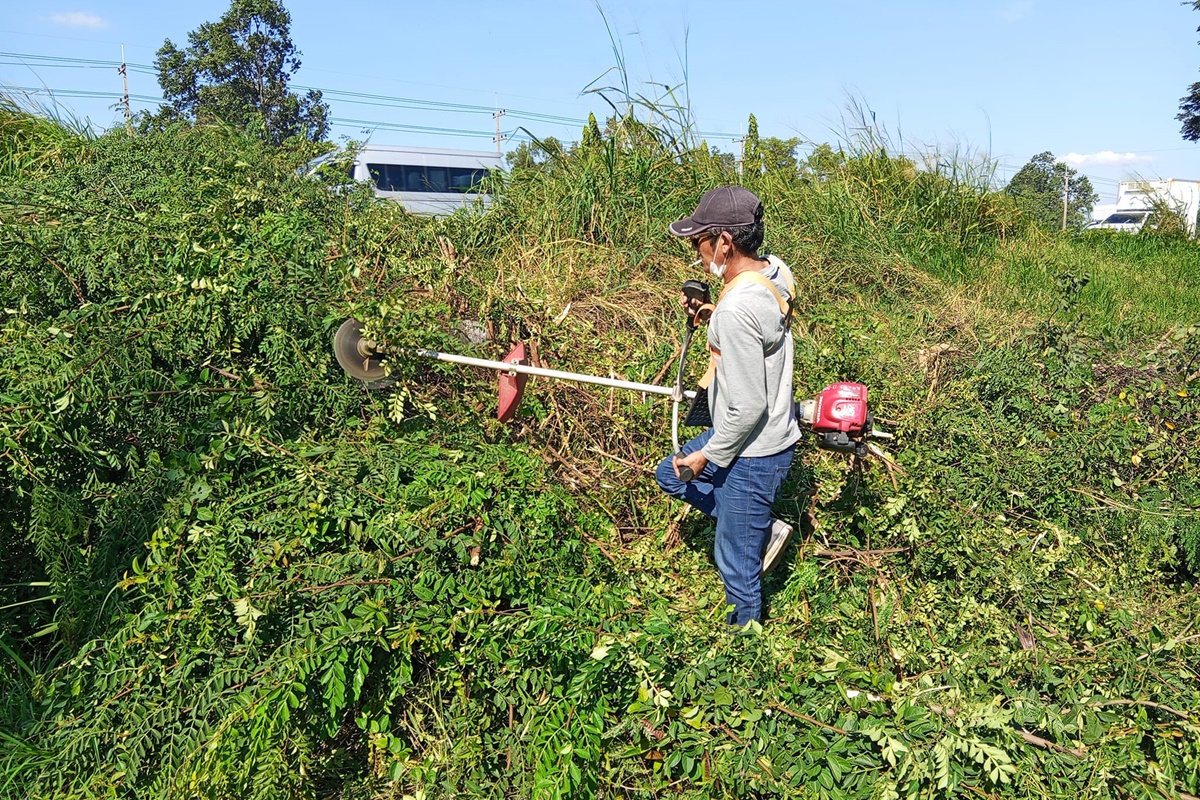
pixel 866 558
pixel 1030 738
pixel 599 547
pixel 1046 744
pixel 1125 506
pixel 807 718
pixel 1146 703
pixel 619 460
pixel 667 366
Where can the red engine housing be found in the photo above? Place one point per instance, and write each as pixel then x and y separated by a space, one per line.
pixel 842 408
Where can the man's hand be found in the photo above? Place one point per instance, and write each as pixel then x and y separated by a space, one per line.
pixel 698 310
pixel 697 461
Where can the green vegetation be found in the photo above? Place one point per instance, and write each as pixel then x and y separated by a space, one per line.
pixel 1040 188
pixel 1189 105
pixel 236 71
pixel 769 154
pixel 229 572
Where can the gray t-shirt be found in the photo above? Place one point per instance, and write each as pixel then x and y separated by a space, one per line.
pixel 750 398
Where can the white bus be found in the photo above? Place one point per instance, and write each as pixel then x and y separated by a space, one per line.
pixel 423 180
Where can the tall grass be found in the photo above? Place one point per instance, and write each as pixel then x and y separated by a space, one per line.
pixel 35 136
pixel 1137 286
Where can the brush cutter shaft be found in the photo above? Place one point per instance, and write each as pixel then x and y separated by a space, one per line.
pixel 685 473
pixel 697 296
pixel 576 377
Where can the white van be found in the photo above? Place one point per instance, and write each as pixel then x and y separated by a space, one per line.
pixel 1130 221
pixel 423 180
pixel 1138 200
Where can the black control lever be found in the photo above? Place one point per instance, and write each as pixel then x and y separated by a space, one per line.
pixel 698 296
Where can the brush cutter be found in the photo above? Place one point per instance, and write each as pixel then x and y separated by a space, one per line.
pixel 838 415
pixel 364 359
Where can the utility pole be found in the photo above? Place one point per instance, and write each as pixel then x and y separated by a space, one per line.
pixel 742 158
pixel 1066 194
pixel 125 92
pixel 496 116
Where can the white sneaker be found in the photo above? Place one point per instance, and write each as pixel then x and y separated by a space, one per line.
pixel 781 534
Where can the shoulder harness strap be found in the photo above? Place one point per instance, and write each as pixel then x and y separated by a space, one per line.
pixel 785 308
pixel 754 276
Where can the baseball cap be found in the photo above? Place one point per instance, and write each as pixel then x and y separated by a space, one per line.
pixel 723 207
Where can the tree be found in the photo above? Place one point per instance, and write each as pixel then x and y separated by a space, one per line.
pixel 751 157
pixel 779 155
pixel 536 154
pixel 771 154
pixel 237 70
pixel 1189 106
pixel 1038 190
pixel 821 163
pixel 592 137
pixel 728 162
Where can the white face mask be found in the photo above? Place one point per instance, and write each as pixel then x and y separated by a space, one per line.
pixel 718 271
pixel 712 265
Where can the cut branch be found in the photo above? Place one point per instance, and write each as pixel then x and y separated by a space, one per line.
pixel 1046 744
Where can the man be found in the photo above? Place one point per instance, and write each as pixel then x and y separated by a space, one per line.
pixel 741 461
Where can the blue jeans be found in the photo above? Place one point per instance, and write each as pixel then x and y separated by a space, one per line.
pixel 739 497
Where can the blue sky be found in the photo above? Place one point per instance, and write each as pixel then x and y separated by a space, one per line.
pixel 1097 82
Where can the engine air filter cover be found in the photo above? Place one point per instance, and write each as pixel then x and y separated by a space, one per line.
pixel 842 407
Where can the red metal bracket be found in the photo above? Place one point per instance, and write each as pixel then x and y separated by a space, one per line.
pixel 512 385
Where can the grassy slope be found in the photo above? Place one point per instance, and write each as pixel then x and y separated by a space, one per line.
pixel 1045 489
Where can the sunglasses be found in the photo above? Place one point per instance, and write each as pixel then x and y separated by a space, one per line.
pixel 695 240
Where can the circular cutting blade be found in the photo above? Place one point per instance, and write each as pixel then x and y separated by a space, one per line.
pixel 359 362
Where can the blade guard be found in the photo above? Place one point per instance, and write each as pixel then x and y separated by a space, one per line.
pixel 842 408
pixel 512 385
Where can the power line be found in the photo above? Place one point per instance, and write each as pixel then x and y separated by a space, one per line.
pixel 361 98
pixel 395 126
pixel 342 95
pixel 380 101
pixel 84 94
pixel 385 101
pixel 25 59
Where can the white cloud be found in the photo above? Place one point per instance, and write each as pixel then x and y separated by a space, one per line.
pixel 1105 158
pixel 79 19
pixel 1015 12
